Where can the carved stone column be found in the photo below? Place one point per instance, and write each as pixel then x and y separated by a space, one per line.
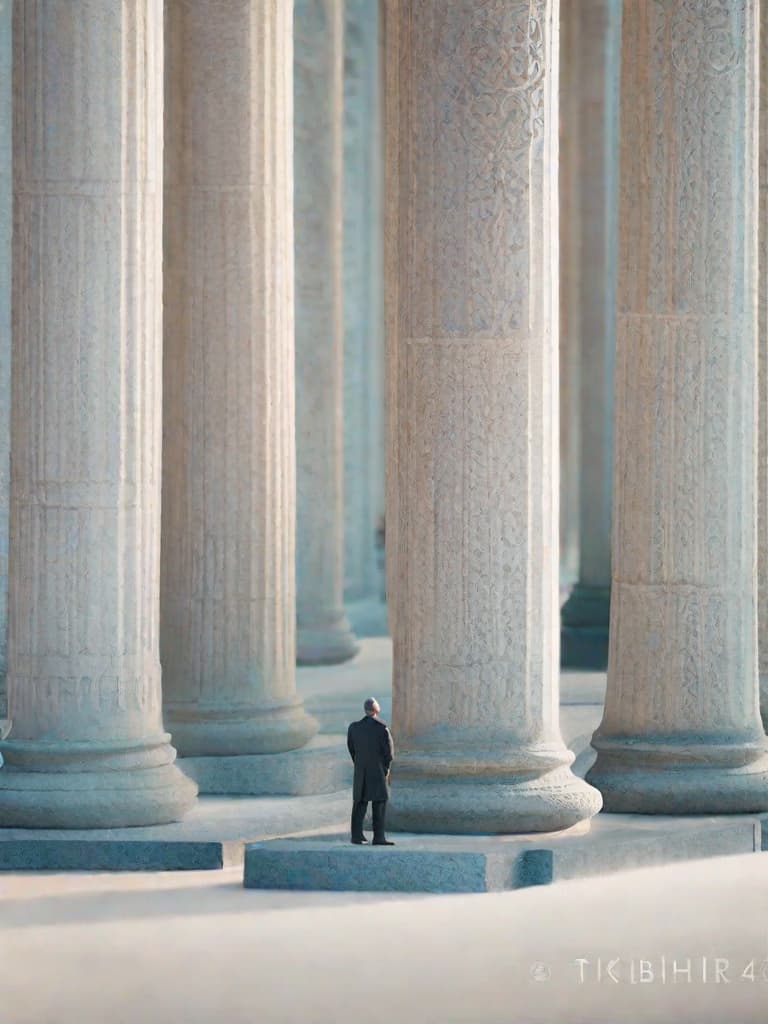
pixel 762 465
pixel 6 204
pixel 591 37
pixel 324 634
pixel 472 499
pixel 87 746
pixel 228 597
pixel 363 319
pixel 681 731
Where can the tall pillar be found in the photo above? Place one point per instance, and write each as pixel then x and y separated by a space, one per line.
pixel 591 39
pixel 681 730
pixel 472 486
pixel 324 634
pixel 6 203
pixel 228 568
pixel 363 319
pixel 87 747
pixel 570 357
pixel 762 465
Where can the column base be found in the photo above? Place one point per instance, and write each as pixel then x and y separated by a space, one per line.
pixel 320 766
pixel 639 776
pixel 94 799
pixel 495 802
pixel 330 644
pixel 585 618
pixel 209 731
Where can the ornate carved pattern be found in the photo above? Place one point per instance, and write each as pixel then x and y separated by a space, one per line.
pixel 706 36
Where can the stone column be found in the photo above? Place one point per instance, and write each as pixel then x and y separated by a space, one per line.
pixel 87 747
pixel 363 319
pixel 681 731
pixel 570 357
pixel 472 499
pixel 762 465
pixel 228 568
pixel 324 634
pixel 591 40
pixel 6 203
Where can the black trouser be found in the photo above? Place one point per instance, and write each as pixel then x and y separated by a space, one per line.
pixel 358 814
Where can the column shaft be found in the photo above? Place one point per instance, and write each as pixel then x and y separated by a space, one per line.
pixel 87 747
pixel 6 206
pixel 324 635
pixel 681 732
pixel 228 584
pixel 472 485
pixel 363 319
pixel 762 465
pixel 589 165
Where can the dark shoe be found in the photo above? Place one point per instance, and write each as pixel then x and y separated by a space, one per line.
pixel 383 842
pixel 360 842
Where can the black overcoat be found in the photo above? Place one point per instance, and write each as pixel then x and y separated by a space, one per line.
pixel 370 746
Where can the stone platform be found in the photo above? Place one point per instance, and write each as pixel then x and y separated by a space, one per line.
pixel 322 766
pixel 213 835
pixel 452 864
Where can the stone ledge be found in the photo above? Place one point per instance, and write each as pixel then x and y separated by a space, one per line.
pixel 213 835
pixel 764 840
pixel 322 766
pixel 452 864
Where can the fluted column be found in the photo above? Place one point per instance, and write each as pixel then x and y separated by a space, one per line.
pixel 324 634
pixel 6 202
pixel 681 731
pixel 762 469
pixel 363 393
pixel 87 747
pixel 591 38
pixel 228 597
pixel 472 486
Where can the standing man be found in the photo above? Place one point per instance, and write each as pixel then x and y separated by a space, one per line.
pixel 370 746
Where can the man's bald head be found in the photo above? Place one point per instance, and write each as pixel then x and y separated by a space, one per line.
pixel 371 706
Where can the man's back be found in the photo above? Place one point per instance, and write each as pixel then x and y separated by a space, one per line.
pixel 370 743
pixel 370 746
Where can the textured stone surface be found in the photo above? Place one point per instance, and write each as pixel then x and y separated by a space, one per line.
pixel 6 204
pixel 322 766
pixel 324 634
pixel 472 509
pixel 213 835
pixel 588 167
pixel 762 464
pixel 570 234
pixel 87 746
pixel 681 731
pixel 363 391
pixel 228 585
pixel 483 864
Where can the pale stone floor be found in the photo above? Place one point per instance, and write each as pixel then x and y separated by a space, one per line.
pixel 195 947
